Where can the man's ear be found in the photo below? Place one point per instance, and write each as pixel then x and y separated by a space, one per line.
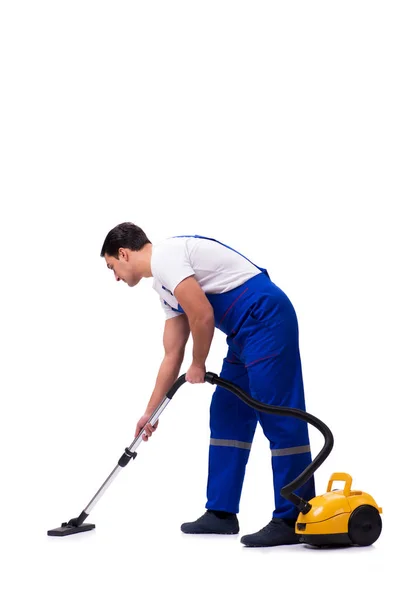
pixel 123 254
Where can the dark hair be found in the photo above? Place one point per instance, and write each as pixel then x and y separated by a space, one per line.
pixel 124 235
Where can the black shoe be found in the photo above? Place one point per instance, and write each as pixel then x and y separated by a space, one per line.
pixel 210 522
pixel 276 533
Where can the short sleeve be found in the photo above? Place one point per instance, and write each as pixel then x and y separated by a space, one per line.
pixel 169 312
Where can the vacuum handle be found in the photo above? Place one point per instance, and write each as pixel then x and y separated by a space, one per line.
pixel 156 414
pixel 154 417
pixel 341 477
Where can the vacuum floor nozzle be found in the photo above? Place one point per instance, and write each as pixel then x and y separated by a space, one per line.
pixel 66 529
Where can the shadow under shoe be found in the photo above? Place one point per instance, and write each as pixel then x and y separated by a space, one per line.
pixel 276 533
pixel 212 523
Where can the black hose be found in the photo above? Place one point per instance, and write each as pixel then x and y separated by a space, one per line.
pixel 287 490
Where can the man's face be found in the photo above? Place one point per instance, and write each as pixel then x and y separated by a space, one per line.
pixel 123 267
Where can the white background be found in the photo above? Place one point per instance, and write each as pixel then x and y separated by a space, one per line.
pixel 273 126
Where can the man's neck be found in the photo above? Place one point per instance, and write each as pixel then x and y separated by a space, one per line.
pixel 144 256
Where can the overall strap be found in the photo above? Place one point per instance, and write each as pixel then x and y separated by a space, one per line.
pixel 202 237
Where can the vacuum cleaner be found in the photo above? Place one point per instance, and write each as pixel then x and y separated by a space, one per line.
pixel 340 517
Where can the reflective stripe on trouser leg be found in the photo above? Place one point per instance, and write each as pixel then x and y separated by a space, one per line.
pixel 232 425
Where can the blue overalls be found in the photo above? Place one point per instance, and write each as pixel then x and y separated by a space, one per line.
pixel 264 360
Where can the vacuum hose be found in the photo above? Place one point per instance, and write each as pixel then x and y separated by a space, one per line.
pixel 288 490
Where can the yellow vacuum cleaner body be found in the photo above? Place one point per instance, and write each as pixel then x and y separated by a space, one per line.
pixel 340 517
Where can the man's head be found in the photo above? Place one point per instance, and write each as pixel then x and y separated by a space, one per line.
pixel 123 251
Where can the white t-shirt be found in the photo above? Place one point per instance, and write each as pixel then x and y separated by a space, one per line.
pixel 216 268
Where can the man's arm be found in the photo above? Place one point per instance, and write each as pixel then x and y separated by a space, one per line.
pixel 176 334
pixel 201 321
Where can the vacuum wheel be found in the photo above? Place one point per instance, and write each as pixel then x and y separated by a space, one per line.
pixel 365 525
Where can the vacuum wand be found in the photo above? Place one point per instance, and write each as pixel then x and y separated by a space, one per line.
pixel 78 525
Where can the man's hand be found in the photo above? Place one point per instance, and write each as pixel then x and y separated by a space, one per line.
pixel 195 374
pixel 149 428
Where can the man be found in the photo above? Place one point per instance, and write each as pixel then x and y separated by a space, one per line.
pixel 204 284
